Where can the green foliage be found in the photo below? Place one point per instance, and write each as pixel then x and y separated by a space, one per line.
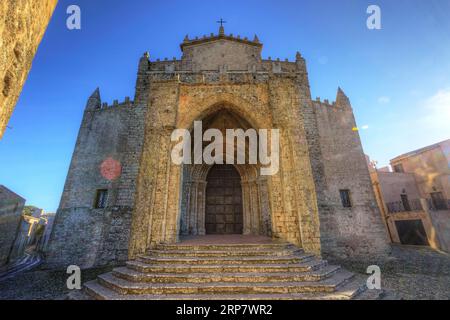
pixel 40 230
pixel 28 210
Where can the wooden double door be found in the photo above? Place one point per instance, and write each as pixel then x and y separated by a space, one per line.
pixel 223 214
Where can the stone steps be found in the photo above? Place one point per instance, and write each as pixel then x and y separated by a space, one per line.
pixel 350 290
pixel 220 253
pixel 306 265
pixel 224 260
pixel 138 276
pixel 123 286
pixel 225 272
pixel 226 247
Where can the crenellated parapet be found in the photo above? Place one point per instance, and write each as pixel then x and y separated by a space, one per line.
pixel 94 102
pixel 218 58
pixel 126 103
pixel 325 102
pixel 220 36
pixel 342 102
pixel 176 70
pixel 268 65
pixel 219 54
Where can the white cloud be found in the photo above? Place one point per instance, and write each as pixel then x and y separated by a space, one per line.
pixel 437 110
pixel 365 127
pixel 384 100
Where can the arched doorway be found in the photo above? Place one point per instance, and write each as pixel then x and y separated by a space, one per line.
pixel 223 212
pixel 241 208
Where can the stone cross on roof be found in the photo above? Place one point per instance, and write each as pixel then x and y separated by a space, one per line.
pixel 221 21
pixel 221 29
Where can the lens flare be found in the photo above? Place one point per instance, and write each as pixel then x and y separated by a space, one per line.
pixel 110 169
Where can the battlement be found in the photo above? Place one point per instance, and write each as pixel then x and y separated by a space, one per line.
pixel 220 36
pixel 278 66
pixel 95 103
pixel 223 54
pixel 325 102
pixel 127 102
pixel 265 65
pixel 342 101
pixel 166 65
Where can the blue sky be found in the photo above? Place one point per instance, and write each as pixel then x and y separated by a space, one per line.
pixel 397 78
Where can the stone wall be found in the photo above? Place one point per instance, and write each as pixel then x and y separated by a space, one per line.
pixel 431 167
pixel 22 25
pixel 393 184
pixel 11 206
pixel 356 232
pixel 89 237
pixel 441 223
pixel 221 54
pixel 83 235
pixel 21 241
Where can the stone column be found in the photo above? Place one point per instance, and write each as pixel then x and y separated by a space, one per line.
pixel 170 226
pixel 193 209
pixel 254 207
pixel 186 210
pixel 263 202
pixel 247 217
pixel 201 207
pixel 151 203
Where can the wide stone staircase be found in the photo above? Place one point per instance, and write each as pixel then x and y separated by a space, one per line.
pixel 226 272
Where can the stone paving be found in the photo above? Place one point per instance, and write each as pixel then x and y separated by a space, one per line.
pixel 411 273
pixel 419 273
pixel 42 284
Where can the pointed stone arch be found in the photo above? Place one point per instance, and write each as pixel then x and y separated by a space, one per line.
pixel 255 196
pixel 200 109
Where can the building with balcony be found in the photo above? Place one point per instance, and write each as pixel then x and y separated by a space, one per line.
pixel 414 197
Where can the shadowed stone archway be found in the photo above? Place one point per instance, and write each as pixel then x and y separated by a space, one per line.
pixel 251 212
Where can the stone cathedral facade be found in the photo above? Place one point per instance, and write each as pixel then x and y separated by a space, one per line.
pixel 124 195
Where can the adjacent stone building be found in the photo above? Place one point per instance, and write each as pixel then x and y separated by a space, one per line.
pixel 124 195
pixel 22 26
pixel 414 198
pixel 11 205
pixel 431 168
pixel 34 224
pixel 49 219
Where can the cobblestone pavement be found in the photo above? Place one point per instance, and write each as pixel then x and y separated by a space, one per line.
pixel 410 273
pixel 413 273
pixel 42 284
pixel 419 273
